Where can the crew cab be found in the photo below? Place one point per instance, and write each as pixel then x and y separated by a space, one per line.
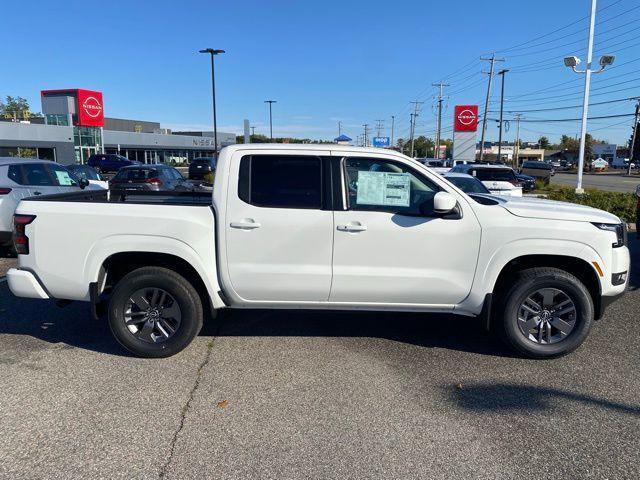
pixel 322 227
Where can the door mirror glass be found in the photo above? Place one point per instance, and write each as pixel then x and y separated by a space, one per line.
pixel 443 203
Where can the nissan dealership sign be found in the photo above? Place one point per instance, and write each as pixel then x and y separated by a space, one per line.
pixel 465 118
pixel 465 126
pixel 90 108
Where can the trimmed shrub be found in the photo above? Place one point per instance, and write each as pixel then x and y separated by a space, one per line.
pixel 622 205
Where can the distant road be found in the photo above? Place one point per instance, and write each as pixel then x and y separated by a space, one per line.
pixel 613 182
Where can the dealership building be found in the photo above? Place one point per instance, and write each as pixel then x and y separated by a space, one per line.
pixel 74 127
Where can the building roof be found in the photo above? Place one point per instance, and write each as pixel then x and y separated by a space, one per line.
pixel 342 138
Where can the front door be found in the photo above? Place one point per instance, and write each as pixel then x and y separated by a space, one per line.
pixel 279 228
pixel 389 246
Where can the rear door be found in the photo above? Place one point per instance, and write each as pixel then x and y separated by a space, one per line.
pixel 279 227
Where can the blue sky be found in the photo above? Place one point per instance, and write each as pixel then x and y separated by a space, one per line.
pixel 323 61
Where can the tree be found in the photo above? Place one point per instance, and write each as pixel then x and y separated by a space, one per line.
pixel 15 107
pixel 24 153
pixel 543 142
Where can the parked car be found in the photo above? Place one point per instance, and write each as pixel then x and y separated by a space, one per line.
pixel 566 164
pixel 21 178
pixel 538 169
pixel 528 182
pixel 466 183
pixel 88 173
pixel 155 177
pixel 199 168
pixel 499 179
pixel 299 226
pixel 109 162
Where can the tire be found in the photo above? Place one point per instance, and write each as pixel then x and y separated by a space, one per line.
pixel 532 287
pixel 153 337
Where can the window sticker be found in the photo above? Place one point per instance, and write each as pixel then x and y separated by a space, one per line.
pixel 64 179
pixel 383 188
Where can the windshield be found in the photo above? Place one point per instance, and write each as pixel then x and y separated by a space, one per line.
pixel 468 184
pixel 84 171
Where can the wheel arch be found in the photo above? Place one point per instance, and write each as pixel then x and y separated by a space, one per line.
pixel 576 266
pixel 117 265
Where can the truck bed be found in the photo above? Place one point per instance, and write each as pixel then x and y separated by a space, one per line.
pixel 198 198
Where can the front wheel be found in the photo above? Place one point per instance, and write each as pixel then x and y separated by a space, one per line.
pixel 546 313
pixel 155 312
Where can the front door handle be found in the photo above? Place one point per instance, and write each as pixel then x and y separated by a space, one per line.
pixel 245 225
pixel 352 227
pixel 37 193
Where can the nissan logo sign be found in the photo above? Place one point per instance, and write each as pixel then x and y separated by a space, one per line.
pixel 92 107
pixel 466 117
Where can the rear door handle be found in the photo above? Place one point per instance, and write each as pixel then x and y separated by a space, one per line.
pixel 244 225
pixel 352 228
pixel 37 193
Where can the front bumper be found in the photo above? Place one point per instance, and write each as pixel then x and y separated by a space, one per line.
pixel 23 283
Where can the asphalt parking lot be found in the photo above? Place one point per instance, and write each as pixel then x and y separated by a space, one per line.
pixel 614 181
pixel 290 395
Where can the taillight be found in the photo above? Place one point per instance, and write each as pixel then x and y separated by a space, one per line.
pixel 4 191
pixel 20 239
pixel 154 181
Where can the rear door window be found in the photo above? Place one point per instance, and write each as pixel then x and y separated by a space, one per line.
pixel 136 175
pixel 31 174
pixel 281 181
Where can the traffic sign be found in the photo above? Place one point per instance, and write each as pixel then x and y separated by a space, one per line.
pixel 381 142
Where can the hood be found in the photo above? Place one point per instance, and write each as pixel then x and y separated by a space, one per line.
pixel 540 208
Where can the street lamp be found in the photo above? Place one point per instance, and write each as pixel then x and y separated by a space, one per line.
pixel 213 53
pixel 573 62
pixel 270 102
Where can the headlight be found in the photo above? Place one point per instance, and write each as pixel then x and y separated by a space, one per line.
pixel 620 229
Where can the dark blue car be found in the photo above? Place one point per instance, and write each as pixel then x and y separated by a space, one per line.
pixel 109 162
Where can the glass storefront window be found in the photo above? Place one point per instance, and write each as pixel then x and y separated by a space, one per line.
pixel 56 119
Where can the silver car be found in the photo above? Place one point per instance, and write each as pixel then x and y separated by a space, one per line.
pixel 21 178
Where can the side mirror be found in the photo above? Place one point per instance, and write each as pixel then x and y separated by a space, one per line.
pixel 444 203
pixel 83 183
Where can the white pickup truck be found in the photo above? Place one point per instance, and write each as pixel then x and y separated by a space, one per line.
pixel 322 227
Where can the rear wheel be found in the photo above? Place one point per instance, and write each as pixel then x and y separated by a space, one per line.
pixel 546 313
pixel 155 312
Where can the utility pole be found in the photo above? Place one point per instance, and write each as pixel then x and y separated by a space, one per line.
pixel 365 135
pixel 379 126
pixel 414 115
pixel 253 131
pixel 339 128
pixel 393 124
pixel 502 73
pixel 634 137
pixel 493 60
pixel 270 102
pixel 439 129
pixel 516 145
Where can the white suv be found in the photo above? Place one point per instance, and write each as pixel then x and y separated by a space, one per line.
pixel 21 178
pixel 499 179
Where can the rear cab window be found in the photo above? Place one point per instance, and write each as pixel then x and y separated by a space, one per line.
pixel 136 174
pixel 494 175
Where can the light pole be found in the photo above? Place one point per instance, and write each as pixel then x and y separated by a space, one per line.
pixel 213 53
pixel 573 62
pixel 501 72
pixel 270 102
